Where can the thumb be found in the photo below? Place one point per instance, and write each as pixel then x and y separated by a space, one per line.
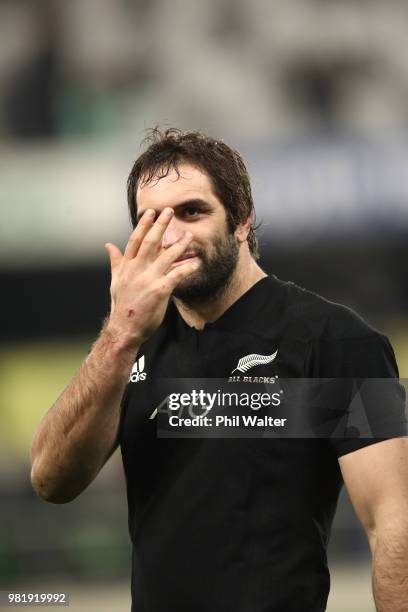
pixel 114 253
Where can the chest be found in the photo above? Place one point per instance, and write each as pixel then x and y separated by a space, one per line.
pixel 239 358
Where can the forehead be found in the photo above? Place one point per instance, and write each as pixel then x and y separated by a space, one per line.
pixel 188 183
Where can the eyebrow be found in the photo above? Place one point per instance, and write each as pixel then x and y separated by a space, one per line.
pixel 184 204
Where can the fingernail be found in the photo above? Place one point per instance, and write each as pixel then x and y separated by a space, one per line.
pixel 168 212
pixel 149 212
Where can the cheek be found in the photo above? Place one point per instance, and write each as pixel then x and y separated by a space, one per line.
pixel 203 235
pixel 208 233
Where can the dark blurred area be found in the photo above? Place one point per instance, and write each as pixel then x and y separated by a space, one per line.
pixel 31 104
pixel 312 93
pixel 74 301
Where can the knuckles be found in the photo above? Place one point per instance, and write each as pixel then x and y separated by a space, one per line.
pixel 149 241
pixel 160 289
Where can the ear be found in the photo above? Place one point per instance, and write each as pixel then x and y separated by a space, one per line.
pixel 242 230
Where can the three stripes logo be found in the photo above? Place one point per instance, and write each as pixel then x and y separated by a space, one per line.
pixel 137 372
pixel 249 361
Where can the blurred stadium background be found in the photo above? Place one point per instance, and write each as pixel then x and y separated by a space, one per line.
pixel 313 92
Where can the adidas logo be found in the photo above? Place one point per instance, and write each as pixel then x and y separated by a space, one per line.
pixel 137 370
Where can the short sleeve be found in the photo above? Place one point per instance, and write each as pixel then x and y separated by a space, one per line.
pixel 373 400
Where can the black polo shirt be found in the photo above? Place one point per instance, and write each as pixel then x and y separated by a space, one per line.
pixel 241 525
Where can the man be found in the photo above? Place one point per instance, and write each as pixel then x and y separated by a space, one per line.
pixel 218 524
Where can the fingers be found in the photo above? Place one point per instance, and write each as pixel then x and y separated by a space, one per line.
pixel 138 234
pixel 153 239
pixel 169 256
pixel 175 276
pixel 114 253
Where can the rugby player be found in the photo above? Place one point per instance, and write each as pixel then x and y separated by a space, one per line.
pixel 219 524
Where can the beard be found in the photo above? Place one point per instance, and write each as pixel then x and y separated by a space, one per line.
pixel 214 274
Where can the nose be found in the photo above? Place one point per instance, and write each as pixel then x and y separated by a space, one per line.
pixel 172 233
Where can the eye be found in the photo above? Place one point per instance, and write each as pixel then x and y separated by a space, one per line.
pixel 191 212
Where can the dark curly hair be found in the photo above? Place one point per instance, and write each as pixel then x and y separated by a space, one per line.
pixel 223 165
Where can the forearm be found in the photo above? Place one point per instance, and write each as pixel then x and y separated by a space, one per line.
pixel 390 568
pixel 79 432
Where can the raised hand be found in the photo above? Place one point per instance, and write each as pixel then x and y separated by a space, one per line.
pixel 143 278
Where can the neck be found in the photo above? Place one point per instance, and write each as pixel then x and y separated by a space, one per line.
pixel 245 275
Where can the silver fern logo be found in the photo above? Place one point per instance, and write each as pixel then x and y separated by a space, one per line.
pixel 249 361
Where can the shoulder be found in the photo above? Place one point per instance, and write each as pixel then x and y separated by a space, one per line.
pixel 323 318
pixel 339 341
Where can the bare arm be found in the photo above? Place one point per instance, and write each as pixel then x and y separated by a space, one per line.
pixel 376 478
pixel 79 432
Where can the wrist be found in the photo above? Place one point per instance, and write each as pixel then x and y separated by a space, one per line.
pixel 122 340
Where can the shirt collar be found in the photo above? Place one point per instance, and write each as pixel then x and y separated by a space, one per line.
pixel 242 313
